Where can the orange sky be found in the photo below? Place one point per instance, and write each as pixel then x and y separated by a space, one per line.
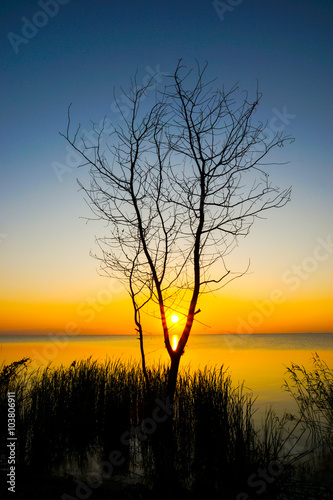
pixel 288 289
pixel 218 315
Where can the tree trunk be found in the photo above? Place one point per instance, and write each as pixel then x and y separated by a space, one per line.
pixel 172 377
pixel 167 482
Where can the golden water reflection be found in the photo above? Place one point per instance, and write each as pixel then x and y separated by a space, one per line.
pixel 174 342
pixel 263 370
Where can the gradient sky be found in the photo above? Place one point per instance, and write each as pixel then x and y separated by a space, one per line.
pixel 48 280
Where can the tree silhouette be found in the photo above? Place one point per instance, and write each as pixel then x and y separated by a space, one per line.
pixel 177 181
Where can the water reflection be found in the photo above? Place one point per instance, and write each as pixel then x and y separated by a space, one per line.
pixel 259 360
pixel 174 342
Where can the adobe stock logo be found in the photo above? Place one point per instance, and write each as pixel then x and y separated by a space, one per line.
pixel 222 8
pixel 40 19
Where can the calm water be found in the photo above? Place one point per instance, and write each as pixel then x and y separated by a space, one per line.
pixel 260 361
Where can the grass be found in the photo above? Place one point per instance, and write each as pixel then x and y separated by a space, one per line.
pixel 66 414
pixel 313 393
pixel 70 418
pixel 312 389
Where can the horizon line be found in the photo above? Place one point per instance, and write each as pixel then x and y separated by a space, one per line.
pixel 53 332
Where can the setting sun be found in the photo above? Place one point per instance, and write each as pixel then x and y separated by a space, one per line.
pixel 174 318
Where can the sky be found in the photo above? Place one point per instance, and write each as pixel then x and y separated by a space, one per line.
pixel 56 52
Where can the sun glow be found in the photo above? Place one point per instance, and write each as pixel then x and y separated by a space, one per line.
pixel 174 318
pixel 174 342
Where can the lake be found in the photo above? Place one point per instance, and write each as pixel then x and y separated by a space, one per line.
pixel 260 360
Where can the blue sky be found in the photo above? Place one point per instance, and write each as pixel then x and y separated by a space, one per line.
pixel 85 50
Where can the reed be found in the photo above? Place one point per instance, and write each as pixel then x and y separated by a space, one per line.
pixel 313 393
pixel 312 389
pixel 214 429
pixel 68 415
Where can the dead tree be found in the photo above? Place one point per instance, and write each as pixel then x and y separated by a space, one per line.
pixel 178 183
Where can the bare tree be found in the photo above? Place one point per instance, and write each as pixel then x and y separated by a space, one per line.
pixel 178 183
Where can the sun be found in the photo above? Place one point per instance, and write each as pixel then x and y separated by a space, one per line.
pixel 174 318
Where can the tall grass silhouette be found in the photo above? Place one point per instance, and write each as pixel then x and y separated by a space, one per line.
pixel 69 417
pixel 313 393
